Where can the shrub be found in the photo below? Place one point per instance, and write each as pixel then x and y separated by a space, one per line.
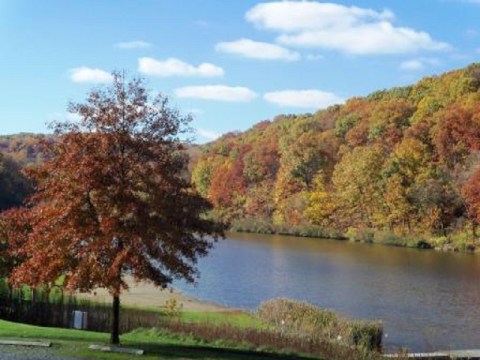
pixel 304 319
pixel 173 307
pixel 258 339
pixel 364 235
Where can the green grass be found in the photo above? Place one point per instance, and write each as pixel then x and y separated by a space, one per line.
pixel 239 318
pixel 156 343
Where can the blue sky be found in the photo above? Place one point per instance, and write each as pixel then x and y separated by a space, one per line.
pixel 230 63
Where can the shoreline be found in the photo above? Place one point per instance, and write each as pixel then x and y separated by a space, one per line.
pixel 383 238
pixel 146 295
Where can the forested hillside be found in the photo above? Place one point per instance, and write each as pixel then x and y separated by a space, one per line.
pixel 23 148
pixel 404 160
pixel 16 152
pixel 14 186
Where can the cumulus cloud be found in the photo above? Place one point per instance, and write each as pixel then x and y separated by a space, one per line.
pixel 315 99
pixel 86 74
pixel 176 67
pixel 293 16
pixel 217 92
pixel 411 65
pixel 208 134
pixel 418 64
pixel 332 26
pixel 128 45
pixel 257 50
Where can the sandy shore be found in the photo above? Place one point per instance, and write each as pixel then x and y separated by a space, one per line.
pixel 146 295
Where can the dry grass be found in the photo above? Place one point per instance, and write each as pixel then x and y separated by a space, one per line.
pixel 296 317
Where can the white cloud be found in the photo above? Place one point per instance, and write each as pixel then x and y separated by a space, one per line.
pixel 207 134
pixel 138 44
pixel 61 116
pixel 419 64
pixel 257 50
pixel 86 74
pixel 315 99
pixel 217 92
pixel 411 65
pixel 176 67
pixel 332 26
pixel 292 16
pixel 73 117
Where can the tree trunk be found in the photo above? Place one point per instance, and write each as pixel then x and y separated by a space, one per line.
pixel 115 335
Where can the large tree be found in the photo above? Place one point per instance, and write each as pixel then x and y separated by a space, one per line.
pixel 113 199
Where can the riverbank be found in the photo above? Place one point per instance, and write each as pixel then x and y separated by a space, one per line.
pixel 74 344
pixel 455 242
pixel 146 295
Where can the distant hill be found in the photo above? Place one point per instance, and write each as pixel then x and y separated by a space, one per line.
pixel 24 148
pixel 14 186
pixel 402 160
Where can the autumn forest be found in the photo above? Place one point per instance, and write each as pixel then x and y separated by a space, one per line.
pixel 403 162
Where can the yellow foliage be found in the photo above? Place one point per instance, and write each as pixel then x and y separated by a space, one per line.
pixel 320 204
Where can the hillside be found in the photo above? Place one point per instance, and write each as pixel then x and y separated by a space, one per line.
pixel 404 160
pixel 16 152
pixel 14 186
pixel 23 148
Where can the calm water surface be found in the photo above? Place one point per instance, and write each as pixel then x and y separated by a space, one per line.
pixel 427 300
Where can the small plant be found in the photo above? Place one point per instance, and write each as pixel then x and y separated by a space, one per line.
pixel 173 307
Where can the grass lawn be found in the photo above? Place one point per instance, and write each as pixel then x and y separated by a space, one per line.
pixel 157 344
pixel 239 319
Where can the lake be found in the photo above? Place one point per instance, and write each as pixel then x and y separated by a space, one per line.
pixel 427 300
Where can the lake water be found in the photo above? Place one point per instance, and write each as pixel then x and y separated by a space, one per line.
pixel 427 300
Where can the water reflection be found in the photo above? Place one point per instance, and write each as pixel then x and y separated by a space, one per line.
pixel 427 300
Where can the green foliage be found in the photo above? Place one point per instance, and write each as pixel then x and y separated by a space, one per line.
pixel 173 308
pixel 343 124
pixel 202 177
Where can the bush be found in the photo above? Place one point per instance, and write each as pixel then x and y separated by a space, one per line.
pixel 365 334
pixel 365 235
pixel 265 340
pixel 304 319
